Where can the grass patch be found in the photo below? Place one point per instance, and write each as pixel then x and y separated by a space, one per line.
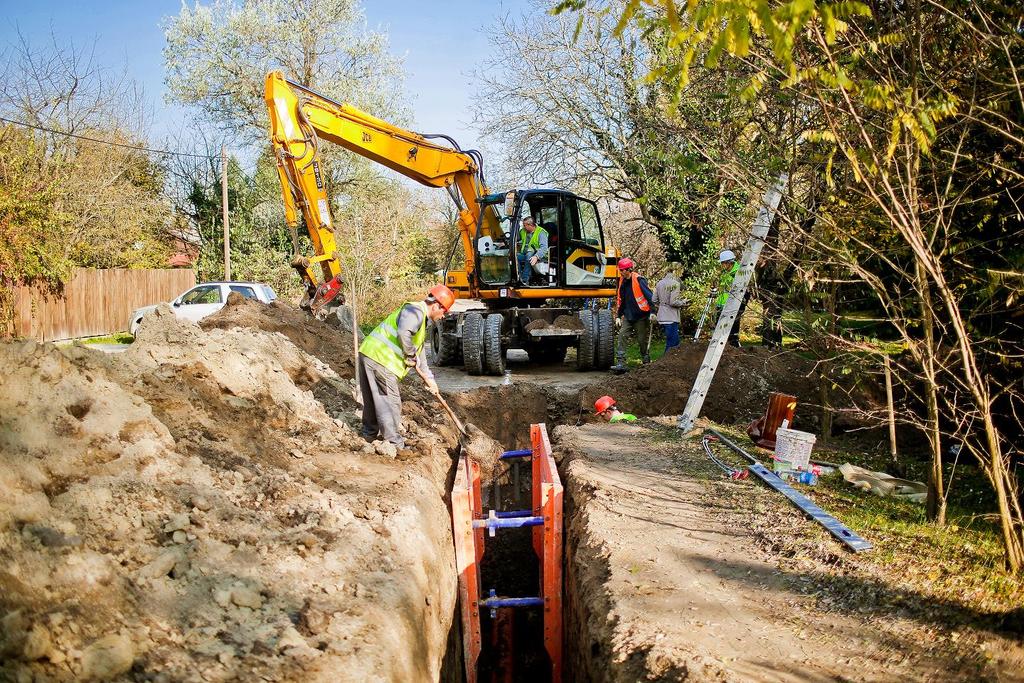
pixel 958 567
pixel 116 338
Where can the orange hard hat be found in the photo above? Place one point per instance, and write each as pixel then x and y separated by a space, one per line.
pixel 625 263
pixel 602 404
pixel 443 296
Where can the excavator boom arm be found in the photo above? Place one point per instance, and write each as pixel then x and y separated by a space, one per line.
pixel 301 118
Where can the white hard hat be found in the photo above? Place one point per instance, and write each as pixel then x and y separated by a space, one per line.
pixel 726 256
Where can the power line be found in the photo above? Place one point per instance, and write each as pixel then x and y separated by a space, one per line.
pixel 108 142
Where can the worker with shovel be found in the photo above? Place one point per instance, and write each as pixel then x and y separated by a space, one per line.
pixel 386 356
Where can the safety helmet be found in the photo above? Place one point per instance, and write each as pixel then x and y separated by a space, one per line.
pixel 443 296
pixel 726 256
pixel 602 404
pixel 625 263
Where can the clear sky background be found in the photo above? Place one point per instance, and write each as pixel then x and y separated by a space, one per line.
pixel 441 43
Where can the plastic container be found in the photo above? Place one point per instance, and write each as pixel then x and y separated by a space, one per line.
pixel 794 447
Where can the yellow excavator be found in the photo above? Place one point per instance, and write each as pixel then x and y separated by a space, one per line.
pixel 517 311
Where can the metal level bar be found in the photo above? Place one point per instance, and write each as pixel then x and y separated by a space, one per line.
pixel 491 603
pixel 508 455
pixel 506 514
pixel 831 524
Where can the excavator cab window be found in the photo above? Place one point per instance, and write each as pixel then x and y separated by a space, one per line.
pixel 584 247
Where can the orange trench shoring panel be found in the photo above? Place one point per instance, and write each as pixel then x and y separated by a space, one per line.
pixel 468 525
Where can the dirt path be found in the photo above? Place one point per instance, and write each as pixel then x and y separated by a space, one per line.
pixel 666 582
pixel 519 370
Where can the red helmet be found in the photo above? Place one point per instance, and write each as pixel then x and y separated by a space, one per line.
pixel 443 296
pixel 602 404
pixel 625 263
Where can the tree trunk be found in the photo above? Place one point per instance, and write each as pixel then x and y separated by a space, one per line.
pixel 935 504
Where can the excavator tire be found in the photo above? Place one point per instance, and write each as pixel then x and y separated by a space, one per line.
pixel 444 349
pixel 473 343
pixel 585 350
pixel 604 330
pixel 494 353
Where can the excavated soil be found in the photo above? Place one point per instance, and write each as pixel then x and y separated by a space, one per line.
pixel 201 508
pixel 328 340
pixel 739 393
pixel 568 322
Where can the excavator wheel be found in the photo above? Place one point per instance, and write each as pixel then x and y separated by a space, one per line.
pixel 473 343
pixel 444 349
pixel 494 353
pixel 604 330
pixel 585 350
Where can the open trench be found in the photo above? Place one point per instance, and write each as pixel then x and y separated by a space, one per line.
pixel 515 651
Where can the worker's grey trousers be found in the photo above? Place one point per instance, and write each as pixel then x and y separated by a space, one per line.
pixel 382 404
pixel 642 329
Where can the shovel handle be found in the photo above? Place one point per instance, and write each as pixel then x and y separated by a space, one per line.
pixel 444 404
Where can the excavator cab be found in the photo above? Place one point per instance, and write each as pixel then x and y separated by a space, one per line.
pixel 575 257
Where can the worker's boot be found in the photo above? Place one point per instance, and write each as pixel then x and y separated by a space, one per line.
pixel 646 360
pixel 619 368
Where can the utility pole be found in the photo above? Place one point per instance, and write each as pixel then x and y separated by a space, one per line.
pixel 751 253
pixel 224 203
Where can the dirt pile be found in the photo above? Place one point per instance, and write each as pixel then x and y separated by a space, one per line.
pixel 187 510
pixel 739 393
pixel 568 322
pixel 329 340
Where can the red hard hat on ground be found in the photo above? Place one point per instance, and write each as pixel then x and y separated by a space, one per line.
pixel 625 263
pixel 443 296
pixel 602 404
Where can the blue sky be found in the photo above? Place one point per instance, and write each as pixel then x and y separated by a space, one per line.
pixel 441 43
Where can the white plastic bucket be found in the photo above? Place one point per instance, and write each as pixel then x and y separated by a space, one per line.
pixel 794 446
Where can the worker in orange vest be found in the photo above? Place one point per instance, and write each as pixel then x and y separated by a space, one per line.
pixel 633 309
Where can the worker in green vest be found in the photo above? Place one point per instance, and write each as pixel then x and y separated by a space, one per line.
pixel 386 356
pixel 606 409
pixel 533 249
pixel 728 267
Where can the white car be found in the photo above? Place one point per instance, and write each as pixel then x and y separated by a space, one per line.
pixel 206 299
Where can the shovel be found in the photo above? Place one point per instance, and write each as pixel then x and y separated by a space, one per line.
pixel 444 404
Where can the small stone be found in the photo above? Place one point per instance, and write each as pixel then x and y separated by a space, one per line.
pixel 296 453
pixel 38 644
pixel 243 596
pixel 107 658
pixel 179 536
pixel 162 565
pixel 201 503
pixel 222 597
pixel 246 473
pixel 290 638
pixel 181 568
pixel 51 538
pixel 177 523
pixel 368 448
pixel 307 539
pixel 385 448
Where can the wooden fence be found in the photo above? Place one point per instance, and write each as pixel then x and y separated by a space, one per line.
pixel 94 302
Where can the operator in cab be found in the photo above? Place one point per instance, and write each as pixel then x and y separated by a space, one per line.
pixel 386 356
pixel 533 248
